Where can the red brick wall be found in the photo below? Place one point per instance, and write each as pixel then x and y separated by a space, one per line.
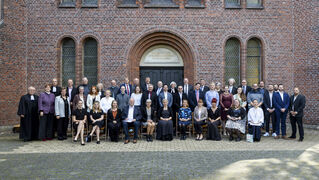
pixel 13 65
pixel 205 31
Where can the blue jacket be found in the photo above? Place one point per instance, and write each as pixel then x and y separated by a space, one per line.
pixel 278 103
pixel 136 114
pixel 169 98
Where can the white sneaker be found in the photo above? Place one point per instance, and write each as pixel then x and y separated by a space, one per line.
pixel 274 135
pixel 266 134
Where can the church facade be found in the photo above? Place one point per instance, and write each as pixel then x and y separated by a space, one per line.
pixel 275 41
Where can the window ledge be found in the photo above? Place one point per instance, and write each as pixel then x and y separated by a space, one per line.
pixel 89 6
pixel 254 7
pixel 233 6
pixel 161 6
pixel 201 6
pixel 127 6
pixel 67 5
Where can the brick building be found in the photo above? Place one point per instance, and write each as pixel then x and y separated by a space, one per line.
pixel 271 40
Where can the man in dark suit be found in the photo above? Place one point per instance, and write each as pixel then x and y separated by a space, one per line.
pixel 55 89
pixel 246 89
pixel 71 90
pixel 231 86
pixel 297 104
pixel 85 85
pixel 203 87
pixel 187 87
pixel 144 86
pixel 269 110
pixel 136 82
pixel 131 117
pixel 128 86
pixel 281 103
pixel 114 89
pixel 165 95
pixel 195 96
pixel 149 94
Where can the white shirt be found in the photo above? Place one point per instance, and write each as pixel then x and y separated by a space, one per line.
pixel 130 114
pixel 165 95
pixel 180 99
pixel 32 98
pixel 70 93
pixel 282 95
pixel 106 103
pixel 270 96
pixel 255 116
pixel 158 91
pixel 137 99
pixel 53 89
pixel 186 89
pixel 230 89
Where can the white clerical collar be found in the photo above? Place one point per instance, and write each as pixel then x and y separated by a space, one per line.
pixel 32 97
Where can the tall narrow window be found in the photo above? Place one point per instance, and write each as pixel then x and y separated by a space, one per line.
pixel 232 60
pixel 232 3
pixel 253 3
pixel 90 60
pixel 1 12
pixel 253 65
pixel 68 60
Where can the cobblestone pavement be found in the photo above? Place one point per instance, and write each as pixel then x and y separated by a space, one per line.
pixel 268 159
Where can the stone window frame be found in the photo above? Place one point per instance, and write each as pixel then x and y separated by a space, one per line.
pixel 90 5
pixel 1 12
pixel 228 5
pixel 148 4
pixel 201 6
pixel 120 4
pixel 260 6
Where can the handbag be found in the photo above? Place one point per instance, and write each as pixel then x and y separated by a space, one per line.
pixel 250 138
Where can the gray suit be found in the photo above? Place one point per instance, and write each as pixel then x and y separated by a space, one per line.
pixel 169 98
pixel 59 107
pixel 122 100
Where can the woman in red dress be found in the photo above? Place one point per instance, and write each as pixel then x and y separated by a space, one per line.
pixel 226 101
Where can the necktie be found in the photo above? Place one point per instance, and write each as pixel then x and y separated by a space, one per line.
pixel 187 90
pixel 127 90
pixel 180 99
pixel 197 96
pixel 244 89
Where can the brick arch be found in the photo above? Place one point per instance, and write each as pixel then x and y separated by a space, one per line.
pixel 160 38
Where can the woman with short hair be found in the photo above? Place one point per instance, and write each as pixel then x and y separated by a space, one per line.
pixel 165 124
pixel 62 113
pixel 148 113
pixel 184 118
pixel 200 116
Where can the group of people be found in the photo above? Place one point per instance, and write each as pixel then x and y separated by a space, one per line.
pixel 166 109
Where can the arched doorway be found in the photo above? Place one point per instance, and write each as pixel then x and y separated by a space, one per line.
pixel 162 62
pixel 161 56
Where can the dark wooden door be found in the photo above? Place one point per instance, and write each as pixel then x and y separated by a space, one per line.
pixel 165 74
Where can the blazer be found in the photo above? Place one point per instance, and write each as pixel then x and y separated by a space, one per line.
pixel 171 91
pixel 169 98
pixel 114 91
pixel 59 107
pixel 298 105
pixel 122 100
pixel 154 99
pixel 203 114
pixel 57 92
pixel 234 90
pixel 110 117
pixel 136 114
pixel 144 87
pixel 190 89
pixel 278 103
pixel 205 89
pixel 192 98
pixel 177 100
pixel 130 87
pixel 73 93
pixel 89 101
pixel 266 101
pixel 248 89
pixel 76 100
pixel 159 92
pixel 46 103
pixel 144 114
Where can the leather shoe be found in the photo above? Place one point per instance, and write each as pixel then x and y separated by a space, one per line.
pixel 285 137
pixel 292 137
pixel 126 141
pixel 134 141
pixel 300 139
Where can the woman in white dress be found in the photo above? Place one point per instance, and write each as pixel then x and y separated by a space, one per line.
pixel 137 96
pixel 106 102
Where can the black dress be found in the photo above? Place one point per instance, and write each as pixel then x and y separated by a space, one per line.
pixel 164 128
pixel 79 115
pixel 30 122
pixel 114 128
pixel 213 132
pixel 97 115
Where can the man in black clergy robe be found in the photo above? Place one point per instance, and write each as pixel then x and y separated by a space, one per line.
pixel 29 117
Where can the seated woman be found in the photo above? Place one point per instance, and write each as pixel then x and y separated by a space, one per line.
pixel 241 97
pixel 255 120
pixel 200 116
pixel 114 115
pixel 148 119
pixel 184 118
pixel 79 120
pixel 97 118
pixel 165 123
pixel 213 122
pixel 236 123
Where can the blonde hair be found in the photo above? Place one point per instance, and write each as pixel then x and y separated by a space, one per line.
pixel 98 109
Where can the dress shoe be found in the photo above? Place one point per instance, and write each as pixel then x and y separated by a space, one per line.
pixel 148 138
pixel 231 138
pixel 134 141
pixel 126 141
pixel 43 139
pixel 82 144
pixel 285 137
pixel 292 137
pixel 300 139
pixel 97 142
pixel 238 139
pixel 151 138
pixel 277 137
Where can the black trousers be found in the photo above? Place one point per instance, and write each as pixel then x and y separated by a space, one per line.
pixel 46 126
pixel 198 126
pixel 114 130
pixel 273 120
pixel 255 131
pixel 62 127
pixel 293 121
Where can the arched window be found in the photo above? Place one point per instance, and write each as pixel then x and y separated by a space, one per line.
pixel 90 60
pixel 253 65
pixel 232 60
pixel 68 60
